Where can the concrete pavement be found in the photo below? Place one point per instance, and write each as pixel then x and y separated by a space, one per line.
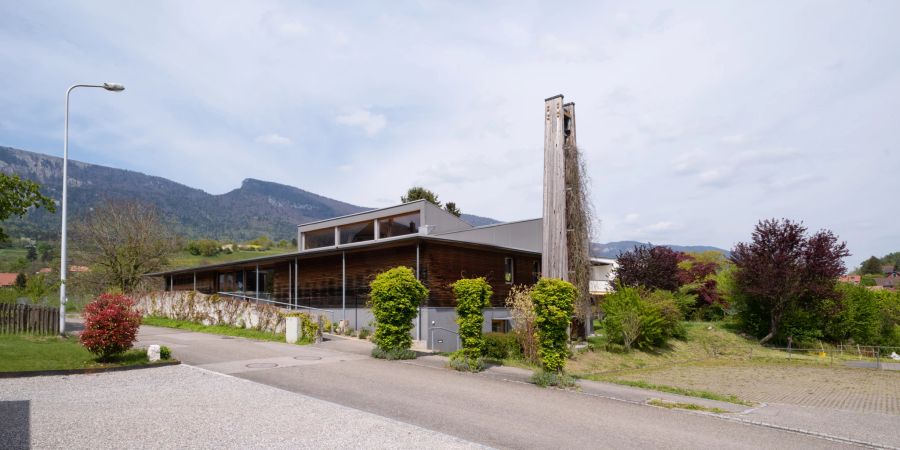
pixel 490 409
pixel 187 407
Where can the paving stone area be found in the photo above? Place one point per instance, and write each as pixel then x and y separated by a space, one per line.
pixel 850 389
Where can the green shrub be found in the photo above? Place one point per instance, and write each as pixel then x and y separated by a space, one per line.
pixel 399 353
pixel 501 346
pixel 554 304
pixel 395 298
pixel 165 352
pixel 856 315
pixel 363 333
pixel 472 296
pixel 639 319
pixel 544 379
pixel 889 329
pixel 459 361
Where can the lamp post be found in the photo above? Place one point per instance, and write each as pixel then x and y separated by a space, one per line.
pixel 112 87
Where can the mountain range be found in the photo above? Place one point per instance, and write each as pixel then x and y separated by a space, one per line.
pixel 257 207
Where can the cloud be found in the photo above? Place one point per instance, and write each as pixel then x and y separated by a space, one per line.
pixel 658 226
pixel 682 118
pixel 363 119
pixel 273 139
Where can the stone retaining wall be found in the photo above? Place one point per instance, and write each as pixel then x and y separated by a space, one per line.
pixel 211 310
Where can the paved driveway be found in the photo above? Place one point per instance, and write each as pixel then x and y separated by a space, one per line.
pixel 489 409
pixel 186 407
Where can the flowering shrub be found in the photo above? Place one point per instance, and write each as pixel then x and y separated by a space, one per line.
pixel 110 325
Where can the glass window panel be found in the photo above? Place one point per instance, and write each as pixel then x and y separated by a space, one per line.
pixel 319 238
pixel 508 270
pixel 398 225
pixel 357 232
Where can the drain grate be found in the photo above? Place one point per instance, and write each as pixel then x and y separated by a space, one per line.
pixel 262 365
pixel 307 358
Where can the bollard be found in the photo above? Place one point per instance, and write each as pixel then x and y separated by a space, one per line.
pixel 291 329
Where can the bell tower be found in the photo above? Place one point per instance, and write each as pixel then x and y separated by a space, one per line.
pixel 559 135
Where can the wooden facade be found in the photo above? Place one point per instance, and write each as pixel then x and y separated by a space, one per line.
pixel 332 280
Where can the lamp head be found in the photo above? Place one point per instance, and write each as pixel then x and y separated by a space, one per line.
pixel 114 87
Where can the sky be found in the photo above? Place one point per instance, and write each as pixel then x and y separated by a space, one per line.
pixel 696 119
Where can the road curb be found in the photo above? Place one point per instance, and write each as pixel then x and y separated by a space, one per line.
pixel 43 373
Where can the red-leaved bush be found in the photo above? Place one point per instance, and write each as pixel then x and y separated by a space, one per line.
pixel 110 325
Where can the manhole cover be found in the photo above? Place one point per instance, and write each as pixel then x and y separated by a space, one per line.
pixel 308 358
pixel 262 365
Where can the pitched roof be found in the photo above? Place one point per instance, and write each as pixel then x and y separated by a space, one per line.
pixel 8 279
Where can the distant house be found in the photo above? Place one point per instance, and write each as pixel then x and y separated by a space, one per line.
pixel 853 279
pixel 889 282
pixel 603 271
pixel 8 279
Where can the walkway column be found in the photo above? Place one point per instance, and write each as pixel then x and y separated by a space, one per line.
pixel 343 285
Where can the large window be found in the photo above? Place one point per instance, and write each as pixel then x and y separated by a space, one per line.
pixel 357 232
pixel 398 225
pixel 319 238
pixel 536 271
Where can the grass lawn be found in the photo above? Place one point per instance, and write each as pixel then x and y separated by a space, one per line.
pixel 185 259
pixel 10 257
pixel 28 353
pixel 224 330
pixel 716 363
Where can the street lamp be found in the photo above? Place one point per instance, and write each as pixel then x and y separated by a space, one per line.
pixel 112 87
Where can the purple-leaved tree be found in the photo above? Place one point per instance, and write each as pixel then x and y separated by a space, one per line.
pixel 781 268
pixel 651 267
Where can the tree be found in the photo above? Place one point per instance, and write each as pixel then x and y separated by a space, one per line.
pixel 871 266
pixel 648 266
pixel 419 193
pixel 21 281
pixel 451 208
pixel 698 274
pixel 123 241
pixel 17 196
pixel 204 247
pixel 32 254
pixel 39 289
pixel 782 269
pixel 46 251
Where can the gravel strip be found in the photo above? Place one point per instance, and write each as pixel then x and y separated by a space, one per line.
pixel 186 407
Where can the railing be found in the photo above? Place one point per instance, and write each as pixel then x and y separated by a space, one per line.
pixel 28 319
pixel 269 301
pixel 599 286
pixel 431 336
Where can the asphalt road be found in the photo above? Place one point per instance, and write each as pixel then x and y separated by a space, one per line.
pixel 475 408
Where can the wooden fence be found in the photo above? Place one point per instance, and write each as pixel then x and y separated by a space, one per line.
pixel 28 319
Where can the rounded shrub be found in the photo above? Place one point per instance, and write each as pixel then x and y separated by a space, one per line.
pixel 472 296
pixel 395 298
pixel 110 325
pixel 554 304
